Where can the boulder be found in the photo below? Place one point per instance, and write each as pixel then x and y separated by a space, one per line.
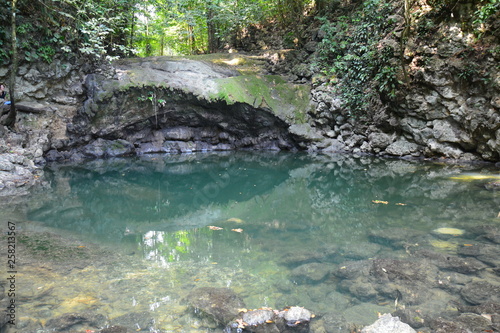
pixel 388 324
pixel 402 147
pixel 293 319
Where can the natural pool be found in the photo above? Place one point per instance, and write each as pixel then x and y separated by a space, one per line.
pixel 125 241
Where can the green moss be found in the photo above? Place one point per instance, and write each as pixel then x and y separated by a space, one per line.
pixel 289 101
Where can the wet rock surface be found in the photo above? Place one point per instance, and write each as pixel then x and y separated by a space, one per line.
pixel 220 304
pixel 266 320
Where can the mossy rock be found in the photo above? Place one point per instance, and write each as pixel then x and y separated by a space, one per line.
pixel 287 101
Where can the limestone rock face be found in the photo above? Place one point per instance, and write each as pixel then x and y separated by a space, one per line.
pixel 162 105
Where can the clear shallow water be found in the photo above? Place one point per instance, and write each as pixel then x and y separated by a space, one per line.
pixel 172 223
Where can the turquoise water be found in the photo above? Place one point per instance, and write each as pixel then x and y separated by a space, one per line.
pixel 247 221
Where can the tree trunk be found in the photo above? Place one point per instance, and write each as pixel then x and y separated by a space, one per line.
pixel 211 29
pixel 192 39
pixel 10 121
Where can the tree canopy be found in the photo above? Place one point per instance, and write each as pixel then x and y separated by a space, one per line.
pixel 104 29
pixel 113 28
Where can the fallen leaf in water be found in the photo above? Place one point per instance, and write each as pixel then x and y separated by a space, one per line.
pixel 449 231
pixel 400 204
pixel 237 230
pixel 235 219
pixel 212 227
pixel 468 244
pixel 380 202
pixel 269 321
pixel 243 310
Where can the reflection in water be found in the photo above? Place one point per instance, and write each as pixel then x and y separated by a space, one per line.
pixel 253 222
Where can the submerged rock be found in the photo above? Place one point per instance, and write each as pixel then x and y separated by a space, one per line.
pixel 487 232
pixel 489 254
pixel 310 273
pixel 465 323
pixel 220 304
pixel 68 321
pixel 475 322
pixel 441 325
pixel 137 320
pixel 332 322
pixel 388 324
pixel 479 292
pixel 396 237
pixel 452 263
pixel 485 308
pixel 297 258
pixel 352 269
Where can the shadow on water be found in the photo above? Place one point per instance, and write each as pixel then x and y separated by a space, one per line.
pixel 332 233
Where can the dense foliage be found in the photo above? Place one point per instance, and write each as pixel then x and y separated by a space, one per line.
pixel 353 57
pixel 96 28
pixel 103 29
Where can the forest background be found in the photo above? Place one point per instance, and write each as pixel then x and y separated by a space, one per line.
pixel 104 29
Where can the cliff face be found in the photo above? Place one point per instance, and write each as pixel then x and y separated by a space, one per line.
pixel 450 107
pixel 165 105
